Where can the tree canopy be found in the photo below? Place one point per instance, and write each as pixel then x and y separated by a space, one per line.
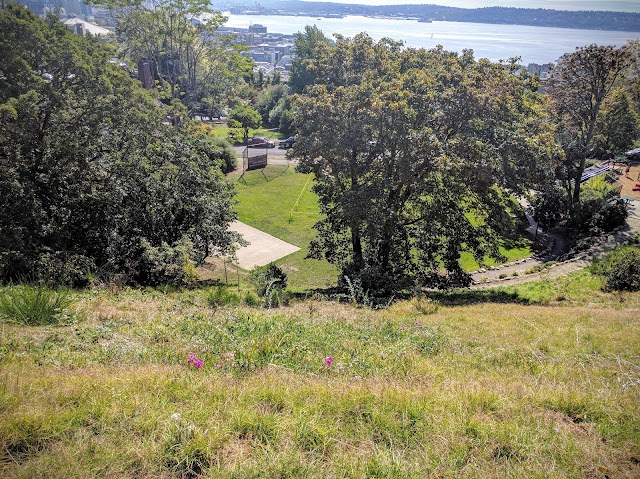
pixel 579 84
pixel 414 154
pixel 179 38
pixel 90 178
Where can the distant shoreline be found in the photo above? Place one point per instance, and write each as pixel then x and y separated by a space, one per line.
pixel 580 20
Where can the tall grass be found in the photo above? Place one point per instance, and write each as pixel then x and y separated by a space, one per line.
pixel 34 305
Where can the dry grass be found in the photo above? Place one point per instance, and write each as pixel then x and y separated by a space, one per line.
pixel 480 390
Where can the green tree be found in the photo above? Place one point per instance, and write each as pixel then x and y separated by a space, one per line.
pixel 244 117
pixel 307 46
pixel 617 127
pixel 90 178
pixel 190 60
pixel 412 152
pixel 578 86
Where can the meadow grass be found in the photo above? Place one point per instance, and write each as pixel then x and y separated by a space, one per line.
pixel 526 385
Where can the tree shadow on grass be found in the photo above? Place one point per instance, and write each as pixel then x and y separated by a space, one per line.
pixel 461 297
pixel 258 177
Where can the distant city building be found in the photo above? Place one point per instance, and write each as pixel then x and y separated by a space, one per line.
pixel 257 28
pixel 81 27
pixel 541 70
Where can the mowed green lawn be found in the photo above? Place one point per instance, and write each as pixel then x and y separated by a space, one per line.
pixel 285 207
pixel 280 202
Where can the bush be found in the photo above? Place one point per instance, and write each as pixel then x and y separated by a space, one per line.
pixel 267 278
pixel 620 269
pixel 165 264
pixel 595 217
pixel 275 298
pixel 63 268
pixel 34 305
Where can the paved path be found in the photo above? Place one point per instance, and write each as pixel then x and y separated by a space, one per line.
pixel 491 279
pixel 263 248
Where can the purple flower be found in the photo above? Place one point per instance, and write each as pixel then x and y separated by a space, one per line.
pixel 328 361
pixel 218 366
pixel 197 363
pixel 191 358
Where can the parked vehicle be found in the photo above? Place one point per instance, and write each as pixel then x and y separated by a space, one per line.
pixel 261 142
pixel 288 143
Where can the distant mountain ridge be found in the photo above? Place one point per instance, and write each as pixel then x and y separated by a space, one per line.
pixel 539 17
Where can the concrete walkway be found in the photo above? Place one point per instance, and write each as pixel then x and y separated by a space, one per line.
pixel 624 234
pixel 263 248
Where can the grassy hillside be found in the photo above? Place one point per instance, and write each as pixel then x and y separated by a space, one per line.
pixel 533 381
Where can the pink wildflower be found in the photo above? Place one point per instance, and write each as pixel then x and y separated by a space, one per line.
pixel 191 358
pixel 197 363
pixel 328 361
pixel 218 366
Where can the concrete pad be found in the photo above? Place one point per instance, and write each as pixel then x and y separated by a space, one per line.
pixel 263 248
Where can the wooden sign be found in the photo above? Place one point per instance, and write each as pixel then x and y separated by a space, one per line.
pixel 256 162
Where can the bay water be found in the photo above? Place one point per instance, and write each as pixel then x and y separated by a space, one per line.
pixel 495 42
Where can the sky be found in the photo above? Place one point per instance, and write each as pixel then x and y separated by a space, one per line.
pixel 620 6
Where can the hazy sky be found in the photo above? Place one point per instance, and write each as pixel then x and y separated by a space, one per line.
pixel 620 6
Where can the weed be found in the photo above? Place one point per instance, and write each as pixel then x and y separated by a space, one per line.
pixel 221 296
pixel 33 305
pixel 425 305
pixel 250 299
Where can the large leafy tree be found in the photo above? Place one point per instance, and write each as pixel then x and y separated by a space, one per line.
pixel 306 45
pixel 243 118
pixel 191 61
pixel 413 153
pixel 617 126
pixel 90 178
pixel 579 84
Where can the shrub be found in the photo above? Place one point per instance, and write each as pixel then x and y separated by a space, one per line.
pixel 267 278
pixel 34 305
pixel 595 217
pixel 274 298
pixel 64 269
pixel 620 269
pixel 165 264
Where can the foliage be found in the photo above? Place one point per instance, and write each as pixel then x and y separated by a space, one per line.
pixel 620 269
pixel 243 118
pixel 189 59
pixel 268 278
pixel 34 305
pixel 307 47
pixel 411 151
pixel 91 180
pixel 596 217
pixel 598 188
pixel 222 296
pixel 579 84
pixel 549 206
pixel 617 126
pixel 218 151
